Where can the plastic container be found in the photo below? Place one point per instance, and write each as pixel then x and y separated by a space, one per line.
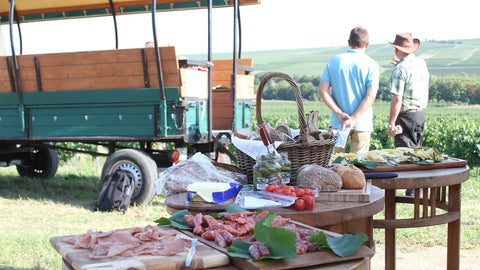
pixel 266 171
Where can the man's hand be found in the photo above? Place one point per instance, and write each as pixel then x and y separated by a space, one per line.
pixel 344 119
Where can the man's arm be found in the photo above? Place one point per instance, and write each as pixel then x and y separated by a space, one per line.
pixel 324 92
pixel 364 105
pixel 395 106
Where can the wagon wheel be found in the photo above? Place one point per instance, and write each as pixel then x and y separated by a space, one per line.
pixel 41 163
pixel 138 166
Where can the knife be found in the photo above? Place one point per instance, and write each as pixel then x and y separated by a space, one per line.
pixel 380 175
pixel 191 253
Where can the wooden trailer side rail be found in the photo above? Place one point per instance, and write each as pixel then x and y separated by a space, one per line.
pixel 222 89
pixel 98 70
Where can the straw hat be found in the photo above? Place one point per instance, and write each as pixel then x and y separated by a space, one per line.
pixel 404 43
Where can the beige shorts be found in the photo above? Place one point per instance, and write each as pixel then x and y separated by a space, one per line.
pixel 359 142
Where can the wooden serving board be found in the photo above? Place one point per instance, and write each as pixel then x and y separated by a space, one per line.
pixel 346 195
pixel 205 257
pixel 447 163
pixel 311 259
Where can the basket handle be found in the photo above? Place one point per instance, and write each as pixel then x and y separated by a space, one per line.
pixel 298 97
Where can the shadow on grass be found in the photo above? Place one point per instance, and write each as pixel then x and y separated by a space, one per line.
pixel 74 190
pixel 78 191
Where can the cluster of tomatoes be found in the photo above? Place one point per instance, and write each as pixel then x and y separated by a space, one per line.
pixel 304 196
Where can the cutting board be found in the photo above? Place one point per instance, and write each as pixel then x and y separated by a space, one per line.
pixel 447 163
pixel 311 259
pixel 347 195
pixel 205 257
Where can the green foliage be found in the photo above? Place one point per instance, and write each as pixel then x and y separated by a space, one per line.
pixel 454 130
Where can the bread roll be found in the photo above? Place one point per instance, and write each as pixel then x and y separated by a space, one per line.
pixel 352 177
pixel 313 175
pixel 243 133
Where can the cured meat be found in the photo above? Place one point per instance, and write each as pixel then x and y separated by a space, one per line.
pixel 279 221
pixel 149 240
pixel 264 251
pixel 261 215
pixel 189 221
pixel 254 251
pixel 220 240
pixel 229 238
pixel 197 222
pixel 240 226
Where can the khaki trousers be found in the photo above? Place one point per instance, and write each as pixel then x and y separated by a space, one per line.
pixel 359 142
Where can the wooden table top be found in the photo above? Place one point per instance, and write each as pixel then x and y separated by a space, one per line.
pixel 425 178
pixel 323 214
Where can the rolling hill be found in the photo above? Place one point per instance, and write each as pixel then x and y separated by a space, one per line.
pixel 444 58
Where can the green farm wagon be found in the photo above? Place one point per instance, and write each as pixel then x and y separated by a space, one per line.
pixel 142 96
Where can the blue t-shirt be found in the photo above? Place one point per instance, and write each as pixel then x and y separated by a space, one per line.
pixel 349 75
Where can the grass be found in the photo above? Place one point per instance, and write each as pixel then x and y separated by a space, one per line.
pixel 33 211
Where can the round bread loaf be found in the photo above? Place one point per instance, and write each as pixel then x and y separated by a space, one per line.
pixel 313 175
pixel 352 177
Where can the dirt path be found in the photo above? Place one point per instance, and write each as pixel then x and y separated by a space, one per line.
pixel 427 258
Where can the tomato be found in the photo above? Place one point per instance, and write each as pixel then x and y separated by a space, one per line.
pixel 299 204
pixel 290 188
pixel 309 202
pixel 300 192
pixel 309 192
pixel 278 191
pixel 271 187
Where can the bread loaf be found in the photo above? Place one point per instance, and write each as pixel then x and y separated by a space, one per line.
pixel 313 175
pixel 352 177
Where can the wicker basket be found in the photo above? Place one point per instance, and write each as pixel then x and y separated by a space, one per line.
pixel 300 152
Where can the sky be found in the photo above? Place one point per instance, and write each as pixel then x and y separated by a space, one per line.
pixel 271 25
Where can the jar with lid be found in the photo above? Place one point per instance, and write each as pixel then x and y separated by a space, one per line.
pixel 285 165
pixel 266 171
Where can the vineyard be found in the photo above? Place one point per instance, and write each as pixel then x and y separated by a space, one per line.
pixel 454 130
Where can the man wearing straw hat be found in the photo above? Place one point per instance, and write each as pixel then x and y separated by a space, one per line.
pixel 409 88
pixel 349 87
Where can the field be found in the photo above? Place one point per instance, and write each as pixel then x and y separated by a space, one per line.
pixel 443 58
pixel 33 211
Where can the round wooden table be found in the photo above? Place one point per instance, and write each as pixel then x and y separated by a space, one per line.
pixel 434 190
pixel 339 217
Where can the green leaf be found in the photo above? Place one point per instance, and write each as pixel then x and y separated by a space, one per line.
pixel 342 246
pixel 163 221
pixel 320 238
pixel 339 160
pixel 281 242
pixel 369 164
pixel 239 248
pixel 177 220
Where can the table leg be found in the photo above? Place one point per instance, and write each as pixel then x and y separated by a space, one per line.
pixel 390 243
pixel 453 244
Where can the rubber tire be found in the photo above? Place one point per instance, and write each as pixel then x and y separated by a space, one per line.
pixel 138 166
pixel 44 164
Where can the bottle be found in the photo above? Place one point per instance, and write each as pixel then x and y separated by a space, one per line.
pixel 285 165
pixel 266 171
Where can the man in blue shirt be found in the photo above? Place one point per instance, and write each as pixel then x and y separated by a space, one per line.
pixel 349 87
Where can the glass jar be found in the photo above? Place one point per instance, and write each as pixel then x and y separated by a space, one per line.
pixel 266 171
pixel 285 165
